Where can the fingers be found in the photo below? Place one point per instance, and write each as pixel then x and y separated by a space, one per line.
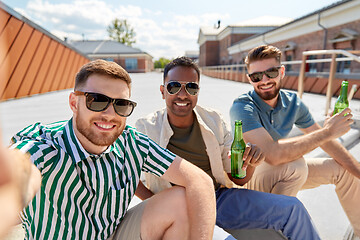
pixel 253 156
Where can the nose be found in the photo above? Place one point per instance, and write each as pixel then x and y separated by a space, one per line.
pixel 110 110
pixel 264 78
pixel 182 93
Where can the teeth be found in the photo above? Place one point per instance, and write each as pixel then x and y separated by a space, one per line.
pixel 181 104
pixel 268 87
pixel 105 126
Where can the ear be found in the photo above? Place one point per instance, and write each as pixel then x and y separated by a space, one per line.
pixel 282 71
pixel 73 102
pixel 162 91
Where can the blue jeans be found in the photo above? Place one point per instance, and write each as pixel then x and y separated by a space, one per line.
pixel 248 209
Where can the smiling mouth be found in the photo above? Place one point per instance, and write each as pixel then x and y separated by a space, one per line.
pixel 181 104
pixel 267 87
pixel 104 126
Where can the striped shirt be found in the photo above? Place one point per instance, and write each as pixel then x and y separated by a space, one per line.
pixel 84 196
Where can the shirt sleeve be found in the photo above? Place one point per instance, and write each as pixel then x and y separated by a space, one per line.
pixel 29 142
pixel 157 159
pixel 246 112
pixel 304 118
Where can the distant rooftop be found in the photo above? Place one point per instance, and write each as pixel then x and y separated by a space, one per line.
pixel 263 21
pixel 207 30
pixel 103 47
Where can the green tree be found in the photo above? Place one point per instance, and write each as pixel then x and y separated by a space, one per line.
pixel 161 62
pixel 121 31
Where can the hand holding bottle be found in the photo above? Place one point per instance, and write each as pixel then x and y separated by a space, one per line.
pixel 339 124
pixel 253 156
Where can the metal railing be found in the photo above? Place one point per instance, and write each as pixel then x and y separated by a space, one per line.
pixel 350 56
pixel 222 70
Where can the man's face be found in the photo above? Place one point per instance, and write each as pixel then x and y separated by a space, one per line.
pixel 99 129
pixel 267 88
pixel 182 103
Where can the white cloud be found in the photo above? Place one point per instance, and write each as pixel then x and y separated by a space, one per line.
pixel 161 34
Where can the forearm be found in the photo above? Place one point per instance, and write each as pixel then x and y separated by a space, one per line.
pixel 342 156
pixel 20 185
pixel 290 149
pixel 143 192
pixel 242 181
pixel 201 207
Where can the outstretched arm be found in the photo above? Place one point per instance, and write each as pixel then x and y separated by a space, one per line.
pixel 339 153
pixel 290 149
pixel 19 182
pixel 200 196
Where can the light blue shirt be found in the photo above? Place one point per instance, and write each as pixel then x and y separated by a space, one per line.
pixel 278 121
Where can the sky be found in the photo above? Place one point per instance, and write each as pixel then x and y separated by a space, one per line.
pixel 164 28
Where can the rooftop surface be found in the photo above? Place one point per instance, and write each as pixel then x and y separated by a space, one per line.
pixel 321 202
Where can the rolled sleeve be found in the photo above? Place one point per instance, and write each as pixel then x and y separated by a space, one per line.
pixel 246 112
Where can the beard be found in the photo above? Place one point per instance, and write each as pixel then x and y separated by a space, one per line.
pixel 98 138
pixel 269 95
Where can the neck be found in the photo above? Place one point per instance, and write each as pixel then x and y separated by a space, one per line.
pixel 181 121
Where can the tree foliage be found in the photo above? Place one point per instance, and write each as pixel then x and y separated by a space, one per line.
pixel 161 62
pixel 121 31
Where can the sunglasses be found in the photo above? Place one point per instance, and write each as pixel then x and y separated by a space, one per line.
pixel 98 102
pixel 174 87
pixel 270 73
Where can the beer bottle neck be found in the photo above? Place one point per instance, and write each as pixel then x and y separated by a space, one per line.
pixel 343 91
pixel 238 131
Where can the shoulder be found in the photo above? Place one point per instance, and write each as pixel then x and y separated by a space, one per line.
pixel 289 96
pixel 291 99
pixel 244 103
pixel 40 133
pixel 244 98
pixel 208 112
pixel 40 141
pixel 151 119
pixel 151 124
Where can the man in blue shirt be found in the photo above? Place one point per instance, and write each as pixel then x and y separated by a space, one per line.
pixel 269 113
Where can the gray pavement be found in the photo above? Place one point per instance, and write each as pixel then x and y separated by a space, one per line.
pixel 321 202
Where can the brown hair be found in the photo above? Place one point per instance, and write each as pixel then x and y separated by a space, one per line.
pixel 101 67
pixel 262 52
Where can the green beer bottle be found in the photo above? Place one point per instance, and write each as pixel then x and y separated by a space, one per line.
pixel 237 152
pixel 342 101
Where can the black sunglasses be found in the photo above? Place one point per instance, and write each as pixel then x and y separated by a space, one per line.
pixel 270 73
pixel 98 102
pixel 174 87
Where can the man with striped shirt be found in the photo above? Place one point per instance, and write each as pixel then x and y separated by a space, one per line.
pixel 91 165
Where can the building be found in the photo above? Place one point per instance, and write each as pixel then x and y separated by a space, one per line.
pixel 132 59
pixel 214 42
pixel 193 55
pixel 335 27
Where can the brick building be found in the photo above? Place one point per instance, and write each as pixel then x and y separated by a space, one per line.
pixel 132 59
pixel 336 26
pixel 215 41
